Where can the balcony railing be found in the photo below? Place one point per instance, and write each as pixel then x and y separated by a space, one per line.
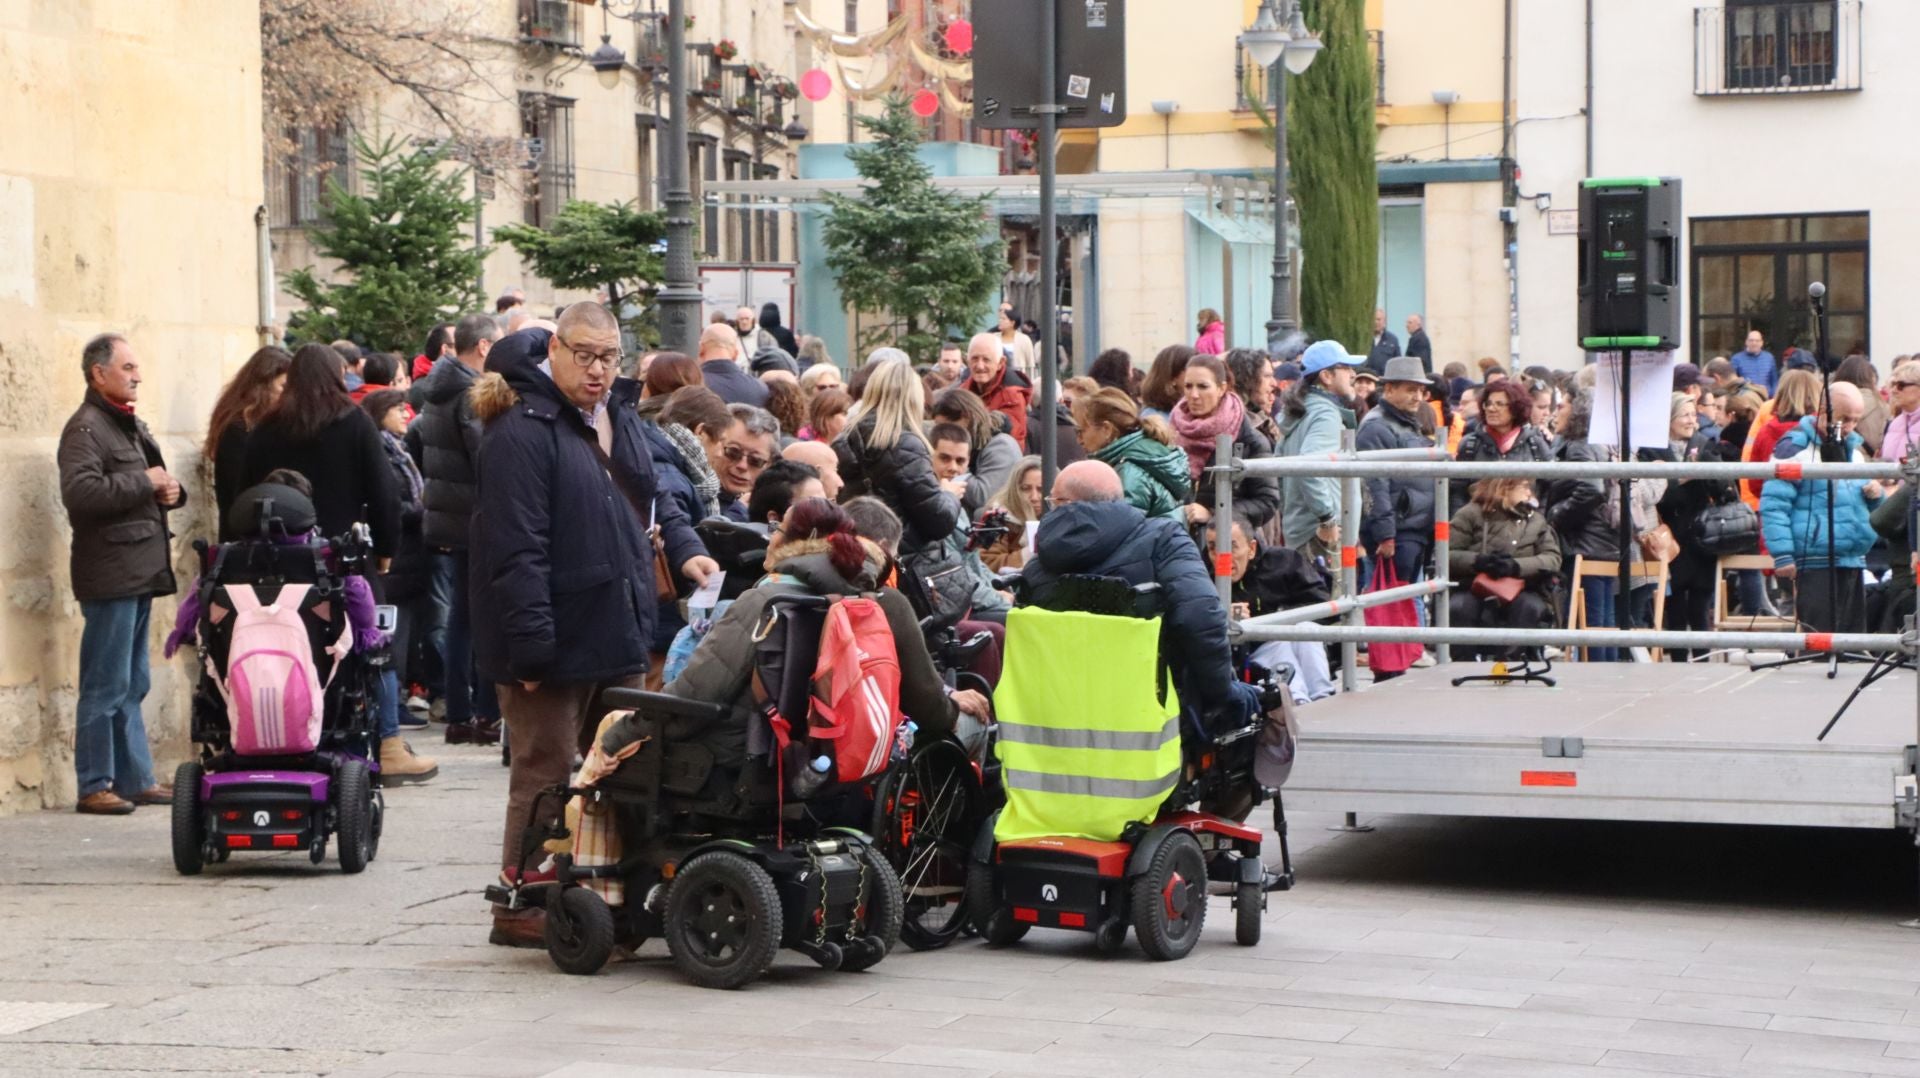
pixel 1798 47
pixel 1252 79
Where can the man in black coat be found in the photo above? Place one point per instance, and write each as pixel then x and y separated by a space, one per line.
pixel 720 368
pixel 117 493
pixel 1398 523
pixel 563 566
pixel 1093 531
pixel 1417 344
pixel 1385 345
pixel 449 438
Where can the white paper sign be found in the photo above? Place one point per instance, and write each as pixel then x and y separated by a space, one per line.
pixel 708 594
pixel 1027 541
pixel 1650 381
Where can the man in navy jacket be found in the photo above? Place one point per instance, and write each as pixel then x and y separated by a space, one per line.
pixel 562 579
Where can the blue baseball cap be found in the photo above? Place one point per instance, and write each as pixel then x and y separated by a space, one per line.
pixel 1321 355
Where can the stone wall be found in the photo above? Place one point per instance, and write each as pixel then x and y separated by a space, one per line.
pixel 130 168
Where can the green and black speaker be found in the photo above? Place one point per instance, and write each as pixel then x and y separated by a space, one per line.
pixel 1630 264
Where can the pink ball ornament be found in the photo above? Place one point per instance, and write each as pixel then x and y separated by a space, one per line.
pixel 959 36
pixel 926 103
pixel 816 84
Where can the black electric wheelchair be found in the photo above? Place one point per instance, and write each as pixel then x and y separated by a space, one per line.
pixel 1115 815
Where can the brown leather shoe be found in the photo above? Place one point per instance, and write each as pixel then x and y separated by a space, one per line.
pixel 526 931
pixel 104 803
pixel 158 794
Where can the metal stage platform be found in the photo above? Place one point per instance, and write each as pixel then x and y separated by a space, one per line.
pixel 1691 743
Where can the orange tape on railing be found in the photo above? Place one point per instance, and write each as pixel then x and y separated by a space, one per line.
pixel 1222 564
pixel 1819 641
pixel 1787 469
pixel 1442 530
pixel 1349 557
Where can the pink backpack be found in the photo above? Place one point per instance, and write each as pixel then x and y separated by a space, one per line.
pixel 275 698
pixel 856 689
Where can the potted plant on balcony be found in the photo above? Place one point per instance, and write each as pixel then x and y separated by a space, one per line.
pixel 724 50
pixel 742 105
pixel 709 87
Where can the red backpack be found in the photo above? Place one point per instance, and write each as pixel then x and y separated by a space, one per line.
pixel 856 689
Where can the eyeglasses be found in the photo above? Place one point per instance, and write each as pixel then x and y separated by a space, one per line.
pixel 737 454
pixel 587 359
pixel 1902 385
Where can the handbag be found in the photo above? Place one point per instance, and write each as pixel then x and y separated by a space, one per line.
pixel 1390 658
pixel 664 588
pixel 1733 528
pixel 1658 544
pixel 1504 588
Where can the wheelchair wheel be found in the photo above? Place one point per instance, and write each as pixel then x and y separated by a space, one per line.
pixel 723 921
pixel 1170 900
pixel 376 822
pixel 579 931
pixel 993 921
pixel 189 821
pixel 924 816
pixel 885 908
pixel 1249 902
pixel 353 815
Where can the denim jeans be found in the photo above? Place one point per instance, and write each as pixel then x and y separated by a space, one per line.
pixel 386 703
pixel 467 697
pixel 431 630
pixel 109 737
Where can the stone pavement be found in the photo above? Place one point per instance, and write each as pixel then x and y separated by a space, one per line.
pixel 1509 948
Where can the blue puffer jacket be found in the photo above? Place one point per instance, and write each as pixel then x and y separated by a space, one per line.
pixel 1793 512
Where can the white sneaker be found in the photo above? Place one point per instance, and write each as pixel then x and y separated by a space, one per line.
pixel 1425 660
pixel 416 703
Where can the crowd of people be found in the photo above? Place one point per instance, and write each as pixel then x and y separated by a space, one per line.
pixel 532 492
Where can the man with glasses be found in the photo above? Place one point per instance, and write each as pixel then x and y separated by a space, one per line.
pixel 741 454
pixel 562 553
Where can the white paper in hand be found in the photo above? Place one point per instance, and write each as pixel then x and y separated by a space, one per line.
pixel 708 594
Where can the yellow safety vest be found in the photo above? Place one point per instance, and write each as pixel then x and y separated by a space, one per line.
pixel 1085 742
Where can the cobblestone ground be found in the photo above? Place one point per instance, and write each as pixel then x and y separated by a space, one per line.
pixel 1516 948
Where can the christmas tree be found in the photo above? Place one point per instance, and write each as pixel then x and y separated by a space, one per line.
pixel 405 251
pixel 930 259
pixel 612 248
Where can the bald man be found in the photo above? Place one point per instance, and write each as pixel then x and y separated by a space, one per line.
pixel 1826 564
pixel 1093 531
pixel 824 460
pixel 722 369
pixel 994 380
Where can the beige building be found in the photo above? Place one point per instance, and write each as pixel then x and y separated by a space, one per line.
pixel 567 132
pixel 129 176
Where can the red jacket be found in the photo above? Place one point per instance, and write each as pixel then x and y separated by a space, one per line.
pixel 1010 396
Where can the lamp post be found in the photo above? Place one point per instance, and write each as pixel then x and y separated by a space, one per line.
pixel 679 297
pixel 1282 50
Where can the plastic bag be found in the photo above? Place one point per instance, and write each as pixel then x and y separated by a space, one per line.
pixel 1390 658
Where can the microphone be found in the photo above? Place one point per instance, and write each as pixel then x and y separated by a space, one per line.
pixel 1817 295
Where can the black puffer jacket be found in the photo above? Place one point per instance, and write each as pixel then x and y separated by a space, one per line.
pixel 562 571
pixel 1255 497
pixel 1577 508
pixel 449 435
pixel 1478 445
pixel 1394 506
pixel 1680 510
pixel 902 477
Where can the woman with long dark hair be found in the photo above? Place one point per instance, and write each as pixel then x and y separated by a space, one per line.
pixel 1161 389
pixel 316 430
pixel 243 403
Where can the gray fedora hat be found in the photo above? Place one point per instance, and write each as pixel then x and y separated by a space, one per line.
pixel 1405 369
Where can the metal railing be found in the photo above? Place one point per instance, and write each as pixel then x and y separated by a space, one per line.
pixel 1791 47
pixel 1297 624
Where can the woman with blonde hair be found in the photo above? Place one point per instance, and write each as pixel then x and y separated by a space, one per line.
pixel 1153 470
pixel 1024 501
pixel 884 454
pixel 818 377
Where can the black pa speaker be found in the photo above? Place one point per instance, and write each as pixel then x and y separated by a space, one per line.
pixel 1091 76
pixel 1630 264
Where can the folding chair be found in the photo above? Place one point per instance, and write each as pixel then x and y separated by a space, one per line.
pixel 1726 621
pixel 1582 568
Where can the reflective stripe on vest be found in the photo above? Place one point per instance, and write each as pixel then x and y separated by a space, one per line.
pixel 1085 786
pixel 1055 737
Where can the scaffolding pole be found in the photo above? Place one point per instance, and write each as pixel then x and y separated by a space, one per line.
pixel 1577 638
pixel 1339 607
pixel 1329 467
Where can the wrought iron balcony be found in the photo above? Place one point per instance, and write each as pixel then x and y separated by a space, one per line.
pixel 1767 47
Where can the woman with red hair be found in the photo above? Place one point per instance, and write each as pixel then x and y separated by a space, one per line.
pixel 1503 434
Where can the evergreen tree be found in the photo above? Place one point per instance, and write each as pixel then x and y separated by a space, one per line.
pixel 1330 148
pixel 610 247
pixel 930 259
pixel 404 249
pixel 1331 136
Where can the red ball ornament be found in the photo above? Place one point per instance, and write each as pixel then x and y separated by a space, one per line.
pixel 926 103
pixel 816 84
pixel 959 36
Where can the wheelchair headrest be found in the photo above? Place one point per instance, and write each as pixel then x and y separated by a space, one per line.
pixel 1109 595
pixel 270 511
pixel 733 543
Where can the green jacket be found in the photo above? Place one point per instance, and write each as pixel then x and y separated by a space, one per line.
pixel 1521 533
pixel 1308 501
pixel 1153 474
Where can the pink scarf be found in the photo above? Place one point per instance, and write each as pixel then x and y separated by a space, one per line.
pixel 1196 434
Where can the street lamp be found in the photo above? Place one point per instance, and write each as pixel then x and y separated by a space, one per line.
pixel 607 62
pixel 1282 50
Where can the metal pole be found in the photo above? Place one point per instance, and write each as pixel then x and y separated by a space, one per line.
pixel 1335 465
pixel 1911 466
pixel 1578 638
pixel 1623 593
pixel 679 299
pixel 1049 244
pixel 1223 521
pixel 480 237
pixel 1442 549
pixel 1282 324
pixel 263 266
pixel 1350 567
pixel 1300 615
